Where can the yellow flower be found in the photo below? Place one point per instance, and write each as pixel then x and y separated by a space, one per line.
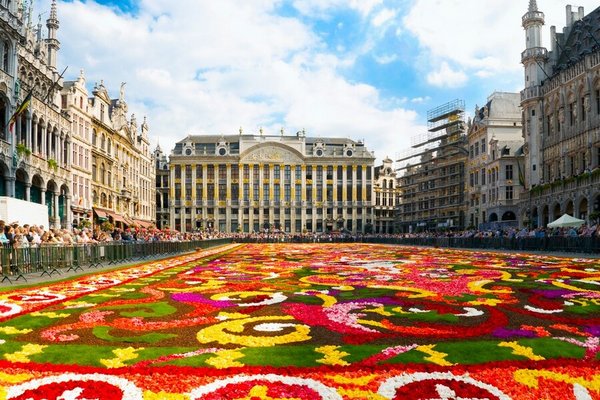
pixel 125 354
pixel 220 333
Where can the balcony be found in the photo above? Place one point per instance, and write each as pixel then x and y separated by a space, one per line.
pixel 533 16
pixel 531 93
pixel 537 53
pixel 126 194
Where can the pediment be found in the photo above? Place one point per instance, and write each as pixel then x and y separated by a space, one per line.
pixel 272 152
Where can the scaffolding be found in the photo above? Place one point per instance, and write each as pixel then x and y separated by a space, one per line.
pixel 432 188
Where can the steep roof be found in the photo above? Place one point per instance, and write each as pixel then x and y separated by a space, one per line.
pixel 583 38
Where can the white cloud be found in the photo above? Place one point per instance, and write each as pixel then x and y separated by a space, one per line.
pixel 211 67
pixel 485 39
pixel 323 7
pixel 420 100
pixel 383 16
pixel 445 76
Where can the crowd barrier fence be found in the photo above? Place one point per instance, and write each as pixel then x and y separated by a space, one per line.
pixel 49 259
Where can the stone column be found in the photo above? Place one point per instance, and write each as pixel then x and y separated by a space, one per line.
pixel 28 191
pixel 34 143
pixel 10 186
pixel 55 213
pixel 68 212
pixel 28 130
pixel 43 150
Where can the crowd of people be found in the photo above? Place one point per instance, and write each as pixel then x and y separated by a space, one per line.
pixel 16 235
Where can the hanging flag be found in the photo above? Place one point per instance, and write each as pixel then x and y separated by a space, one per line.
pixel 521 175
pixel 20 109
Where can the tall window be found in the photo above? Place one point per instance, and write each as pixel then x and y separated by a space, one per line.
pixel 509 171
pixel 583 110
pixel 572 113
pixel 509 193
pixel 255 176
pixel 102 174
pixel 483 146
pixel 287 173
pixel 5 55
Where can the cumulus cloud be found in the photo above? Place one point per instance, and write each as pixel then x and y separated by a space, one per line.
pixel 211 67
pixel 445 76
pixel 485 40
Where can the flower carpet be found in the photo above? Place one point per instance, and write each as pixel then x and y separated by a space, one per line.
pixel 310 321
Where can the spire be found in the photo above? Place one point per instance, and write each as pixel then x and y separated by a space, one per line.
pixel 53 43
pixel 54 14
pixel 533 5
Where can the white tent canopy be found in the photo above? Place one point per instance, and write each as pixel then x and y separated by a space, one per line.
pixel 566 221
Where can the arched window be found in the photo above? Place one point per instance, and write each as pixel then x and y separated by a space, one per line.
pixel 102 141
pixel 94 137
pixel 5 55
pixel 109 179
pixel 102 174
pixel 3 118
pixel 109 146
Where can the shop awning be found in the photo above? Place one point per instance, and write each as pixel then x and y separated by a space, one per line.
pixel 117 217
pixel 142 223
pixel 101 213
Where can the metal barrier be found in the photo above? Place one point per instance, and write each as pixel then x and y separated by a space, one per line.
pixel 550 243
pixel 17 262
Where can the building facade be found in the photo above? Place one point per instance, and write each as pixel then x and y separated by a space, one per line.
pixel 161 165
pixel 36 146
pixel 386 193
pixel 495 144
pixel 561 116
pixel 432 190
pixel 123 173
pixel 290 183
pixel 76 106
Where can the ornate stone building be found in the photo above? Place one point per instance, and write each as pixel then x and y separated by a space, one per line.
pixel 36 161
pixel 123 174
pixel 495 142
pixel 292 183
pixel 386 192
pixel 75 105
pixel 561 115
pixel 161 164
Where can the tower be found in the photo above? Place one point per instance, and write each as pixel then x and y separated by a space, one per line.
pixel 534 60
pixel 53 43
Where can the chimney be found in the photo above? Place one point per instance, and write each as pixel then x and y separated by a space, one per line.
pixel 580 12
pixel 569 17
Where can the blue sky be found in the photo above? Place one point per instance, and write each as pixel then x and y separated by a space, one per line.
pixel 364 69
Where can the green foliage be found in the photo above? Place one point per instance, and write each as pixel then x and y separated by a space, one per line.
pixel 106 226
pixel 102 332
pixel 22 150
pixel 53 164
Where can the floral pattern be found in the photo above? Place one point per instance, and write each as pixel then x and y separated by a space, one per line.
pixel 310 321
